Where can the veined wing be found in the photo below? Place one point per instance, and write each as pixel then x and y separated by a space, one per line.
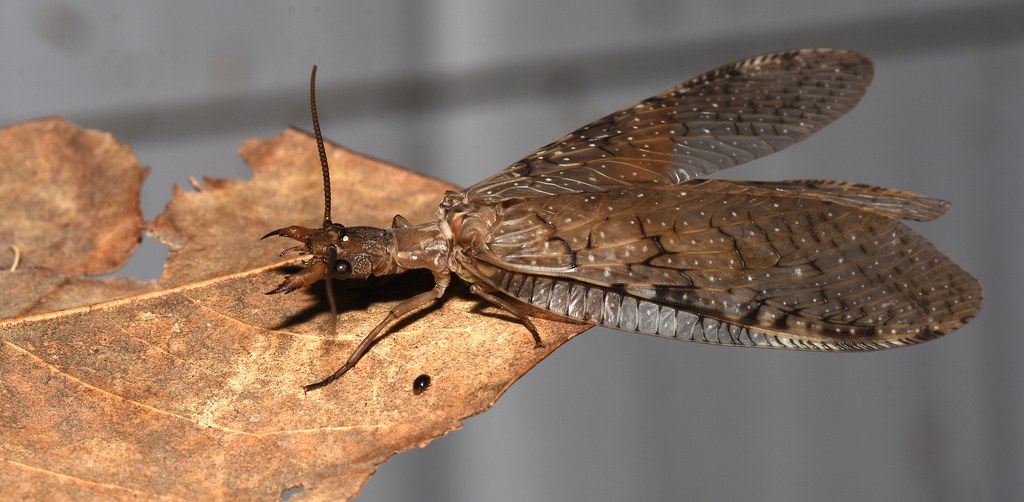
pixel 876 199
pixel 722 118
pixel 735 263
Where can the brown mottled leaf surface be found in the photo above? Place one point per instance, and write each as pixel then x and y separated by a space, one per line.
pixel 192 389
pixel 70 204
pixel 54 172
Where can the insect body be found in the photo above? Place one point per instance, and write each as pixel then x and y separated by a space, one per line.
pixel 614 224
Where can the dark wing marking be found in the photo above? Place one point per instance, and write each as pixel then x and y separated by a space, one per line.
pixel 725 117
pixel 817 270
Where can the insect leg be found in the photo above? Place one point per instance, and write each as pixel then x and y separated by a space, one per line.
pixel 511 309
pixel 396 312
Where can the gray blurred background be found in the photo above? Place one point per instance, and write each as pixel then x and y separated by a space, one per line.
pixel 459 89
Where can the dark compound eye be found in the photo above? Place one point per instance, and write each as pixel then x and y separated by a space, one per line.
pixel 342 269
pixel 420 384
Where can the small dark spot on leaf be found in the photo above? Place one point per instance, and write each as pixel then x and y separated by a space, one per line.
pixel 420 384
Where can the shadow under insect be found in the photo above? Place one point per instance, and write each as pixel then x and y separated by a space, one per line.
pixel 361 295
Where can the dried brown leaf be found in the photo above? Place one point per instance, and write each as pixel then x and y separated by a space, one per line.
pixel 35 291
pixel 52 171
pixel 194 390
pixel 70 200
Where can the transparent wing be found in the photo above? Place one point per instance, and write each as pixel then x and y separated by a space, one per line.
pixel 781 265
pixel 722 118
pixel 881 200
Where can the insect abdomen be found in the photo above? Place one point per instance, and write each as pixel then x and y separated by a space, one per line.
pixel 596 305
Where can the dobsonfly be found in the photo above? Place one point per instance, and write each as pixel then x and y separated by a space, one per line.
pixel 614 224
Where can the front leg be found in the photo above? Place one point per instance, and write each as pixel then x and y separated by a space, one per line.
pixel 441 281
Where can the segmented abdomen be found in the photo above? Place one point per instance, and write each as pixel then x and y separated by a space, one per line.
pixel 606 307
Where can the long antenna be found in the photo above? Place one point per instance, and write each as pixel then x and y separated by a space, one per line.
pixel 332 251
pixel 323 153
